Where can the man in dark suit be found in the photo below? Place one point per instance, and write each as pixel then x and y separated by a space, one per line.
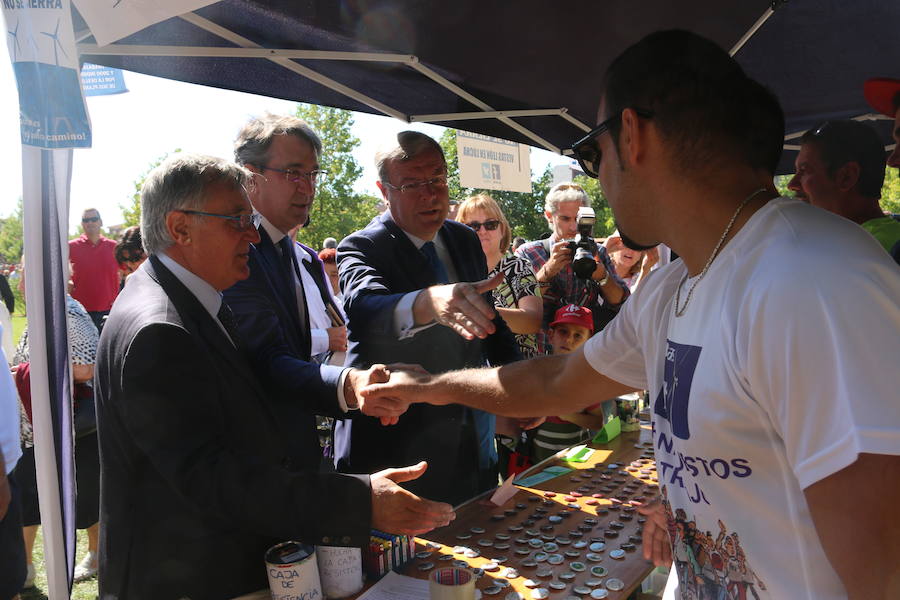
pixel 396 276
pixel 274 306
pixel 198 479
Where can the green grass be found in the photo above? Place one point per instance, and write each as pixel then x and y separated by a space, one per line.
pixel 86 590
pixel 18 325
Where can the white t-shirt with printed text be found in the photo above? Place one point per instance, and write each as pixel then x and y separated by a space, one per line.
pixel 779 373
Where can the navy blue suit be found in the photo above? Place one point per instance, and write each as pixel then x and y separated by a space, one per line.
pixel 265 308
pixel 377 266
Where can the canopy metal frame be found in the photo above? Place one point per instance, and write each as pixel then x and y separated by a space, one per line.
pixel 287 58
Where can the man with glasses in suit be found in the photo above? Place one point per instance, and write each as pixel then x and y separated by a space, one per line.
pixel 406 297
pixel 199 471
pixel 287 285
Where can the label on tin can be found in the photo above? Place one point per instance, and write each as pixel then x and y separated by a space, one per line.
pixel 293 572
pixel 340 570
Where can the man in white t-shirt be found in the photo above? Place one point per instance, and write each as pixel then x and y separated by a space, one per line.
pixel 768 349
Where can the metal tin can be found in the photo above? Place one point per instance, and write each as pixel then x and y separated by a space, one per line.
pixel 293 573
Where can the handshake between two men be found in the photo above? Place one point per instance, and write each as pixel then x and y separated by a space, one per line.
pixel 386 392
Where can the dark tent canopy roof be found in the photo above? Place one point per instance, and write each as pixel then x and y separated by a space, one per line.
pixel 436 61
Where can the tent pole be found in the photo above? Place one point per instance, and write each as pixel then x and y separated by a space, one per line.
pixel 776 4
pixel 295 67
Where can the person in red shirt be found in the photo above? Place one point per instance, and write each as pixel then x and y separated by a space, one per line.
pixel 95 272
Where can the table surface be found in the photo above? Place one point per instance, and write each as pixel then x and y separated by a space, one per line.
pixel 593 501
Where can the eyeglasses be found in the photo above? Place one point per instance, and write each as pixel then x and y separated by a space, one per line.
pixel 437 183
pixel 295 176
pixel 90 219
pixel 586 149
pixel 239 222
pixel 490 225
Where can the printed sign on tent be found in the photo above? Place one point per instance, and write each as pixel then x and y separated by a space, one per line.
pixel 112 20
pixel 97 80
pixel 492 163
pixel 41 44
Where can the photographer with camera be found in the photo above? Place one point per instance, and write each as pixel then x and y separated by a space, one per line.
pixel 570 266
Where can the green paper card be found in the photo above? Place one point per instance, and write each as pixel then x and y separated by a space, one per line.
pixel 609 432
pixel 578 454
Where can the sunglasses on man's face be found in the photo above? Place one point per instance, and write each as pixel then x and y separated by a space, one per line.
pixel 587 150
pixel 490 224
pixel 90 219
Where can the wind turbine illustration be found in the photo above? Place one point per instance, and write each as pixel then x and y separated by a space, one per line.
pixel 15 36
pixel 57 46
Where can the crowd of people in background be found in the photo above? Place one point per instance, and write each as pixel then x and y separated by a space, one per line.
pixel 433 281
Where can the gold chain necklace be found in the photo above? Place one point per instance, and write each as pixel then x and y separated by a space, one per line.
pixel 712 257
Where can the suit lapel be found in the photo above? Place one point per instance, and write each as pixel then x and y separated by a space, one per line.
pixel 271 262
pixel 461 260
pixel 199 322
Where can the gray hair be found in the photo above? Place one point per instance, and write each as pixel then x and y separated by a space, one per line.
pixel 565 192
pixel 253 141
pixel 180 183
pixel 410 144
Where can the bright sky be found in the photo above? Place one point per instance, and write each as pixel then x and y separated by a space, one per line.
pixel 156 116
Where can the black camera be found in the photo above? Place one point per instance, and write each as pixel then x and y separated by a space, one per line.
pixel 583 247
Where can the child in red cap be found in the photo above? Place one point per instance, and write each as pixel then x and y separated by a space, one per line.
pixel 571 327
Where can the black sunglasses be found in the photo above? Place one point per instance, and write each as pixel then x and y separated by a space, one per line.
pixel 586 149
pixel 90 219
pixel 490 224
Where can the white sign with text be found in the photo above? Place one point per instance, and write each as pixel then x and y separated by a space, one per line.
pixel 491 163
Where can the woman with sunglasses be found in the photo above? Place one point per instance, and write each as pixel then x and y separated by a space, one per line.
pixel 518 298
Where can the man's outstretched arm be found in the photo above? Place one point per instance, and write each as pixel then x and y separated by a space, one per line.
pixel 548 385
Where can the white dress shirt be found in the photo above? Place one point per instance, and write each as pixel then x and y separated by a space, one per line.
pixel 207 295
pixel 310 302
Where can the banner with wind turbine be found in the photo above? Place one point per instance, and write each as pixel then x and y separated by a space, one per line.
pixel 53 119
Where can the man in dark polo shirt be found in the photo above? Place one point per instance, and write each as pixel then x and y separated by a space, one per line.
pixel 95 273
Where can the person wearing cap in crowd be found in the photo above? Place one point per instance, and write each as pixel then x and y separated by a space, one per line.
pixel 329 242
pixel 883 94
pixel 95 272
pixel 199 474
pixel 769 350
pixel 603 293
pixel 840 168
pixel 406 296
pixel 571 327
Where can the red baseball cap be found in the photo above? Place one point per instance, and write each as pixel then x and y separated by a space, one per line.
pixel 880 93
pixel 575 315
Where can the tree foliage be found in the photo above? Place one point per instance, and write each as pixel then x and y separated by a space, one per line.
pixel 337 211
pixel 131 209
pixel 12 237
pixel 890 191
